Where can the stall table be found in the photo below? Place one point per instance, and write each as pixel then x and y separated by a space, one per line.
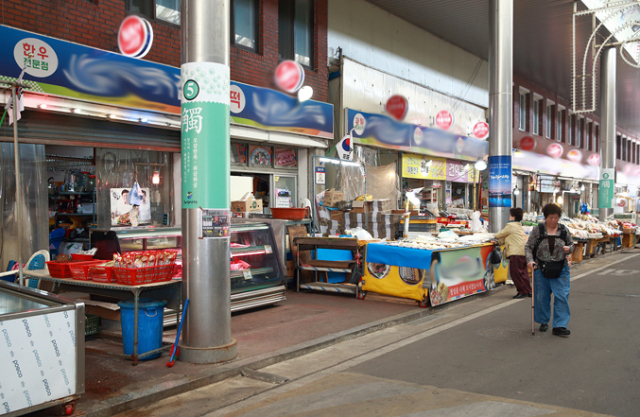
pixel 324 267
pixel 169 290
pixel 438 276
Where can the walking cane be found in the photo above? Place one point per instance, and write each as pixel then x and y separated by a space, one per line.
pixel 533 297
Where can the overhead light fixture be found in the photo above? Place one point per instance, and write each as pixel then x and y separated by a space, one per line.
pixel 143 120
pixel 112 116
pixel 43 106
pixel 305 93
pixel 518 154
pixel 156 177
pixel 582 188
pixel 560 199
pixel 349 163
pixel 77 111
pixel 481 165
pixel 516 191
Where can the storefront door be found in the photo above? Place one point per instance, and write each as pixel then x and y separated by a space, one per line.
pixel 284 191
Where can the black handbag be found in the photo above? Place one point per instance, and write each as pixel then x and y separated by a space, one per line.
pixel 552 269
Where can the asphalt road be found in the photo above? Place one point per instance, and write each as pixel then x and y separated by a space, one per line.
pixel 597 368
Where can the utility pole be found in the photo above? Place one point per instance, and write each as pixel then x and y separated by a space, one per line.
pixel 500 108
pixel 206 336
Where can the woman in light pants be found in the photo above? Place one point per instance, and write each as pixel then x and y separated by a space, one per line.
pixel 552 243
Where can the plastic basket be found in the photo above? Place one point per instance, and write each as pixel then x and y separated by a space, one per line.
pixel 81 257
pixel 143 275
pixel 102 274
pixel 91 324
pixel 61 269
pixel 80 270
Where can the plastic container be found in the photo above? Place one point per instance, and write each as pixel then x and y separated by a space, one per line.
pixel 81 257
pixel 150 319
pixel 80 270
pixel 143 275
pixel 289 213
pixel 102 274
pixel 61 270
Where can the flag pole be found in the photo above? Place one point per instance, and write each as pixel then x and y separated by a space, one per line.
pixel 16 152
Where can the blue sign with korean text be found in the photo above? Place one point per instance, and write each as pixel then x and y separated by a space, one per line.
pixel 500 181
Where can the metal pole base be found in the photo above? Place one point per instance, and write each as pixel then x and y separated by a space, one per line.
pixel 216 354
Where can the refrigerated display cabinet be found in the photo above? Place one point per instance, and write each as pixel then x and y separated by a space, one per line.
pixel 261 278
pixel 41 350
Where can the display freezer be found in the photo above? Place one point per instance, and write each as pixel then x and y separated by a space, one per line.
pixel 41 350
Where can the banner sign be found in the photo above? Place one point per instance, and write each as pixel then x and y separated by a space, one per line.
pixel 500 181
pixel 66 69
pixel 384 131
pixel 205 136
pixel 439 169
pixel 606 190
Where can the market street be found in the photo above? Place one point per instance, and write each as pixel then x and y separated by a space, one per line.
pixel 476 358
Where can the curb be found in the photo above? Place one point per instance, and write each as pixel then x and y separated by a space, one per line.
pixel 130 401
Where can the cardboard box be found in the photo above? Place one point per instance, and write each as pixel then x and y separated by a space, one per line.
pixel 375 206
pixel 337 215
pixel 249 206
pixel 290 269
pixel 332 197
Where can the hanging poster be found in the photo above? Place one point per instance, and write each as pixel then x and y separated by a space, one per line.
pixel 500 181
pixel 424 167
pixel 121 209
pixel 285 157
pixel 607 188
pixel 259 156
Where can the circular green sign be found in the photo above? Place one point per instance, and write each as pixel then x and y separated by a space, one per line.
pixel 605 176
pixel 191 89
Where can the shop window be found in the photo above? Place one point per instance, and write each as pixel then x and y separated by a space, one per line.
pixel 624 149
pixel 164 10
pixel 295 31
pixel 596 137
pixel 579 125
pixel 536 123
pixel 117 170
pixel 618 147
pixel 560 124
pixel 549 120
pixel 244 24
pixel 523 110
pixel 587 136
pixel 570 129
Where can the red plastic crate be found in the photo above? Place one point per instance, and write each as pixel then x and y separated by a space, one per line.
pixel 80 270
pixel 143 275
pixel 102 274
pixel 61 270
pixel 82 257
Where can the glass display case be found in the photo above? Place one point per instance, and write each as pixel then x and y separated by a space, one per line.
pixel 255 263
pixel 42 354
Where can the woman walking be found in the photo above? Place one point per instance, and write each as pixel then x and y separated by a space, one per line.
pixel 513 237
pixel 547 250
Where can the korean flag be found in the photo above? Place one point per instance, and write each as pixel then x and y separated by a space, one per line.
pixel 345 148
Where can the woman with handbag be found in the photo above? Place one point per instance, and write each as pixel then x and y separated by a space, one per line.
pixel 514 239
pixel 546 250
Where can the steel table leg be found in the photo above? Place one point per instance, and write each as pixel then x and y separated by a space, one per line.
pixel 136 300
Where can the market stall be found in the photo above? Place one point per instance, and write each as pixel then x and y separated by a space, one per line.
pixel 430 270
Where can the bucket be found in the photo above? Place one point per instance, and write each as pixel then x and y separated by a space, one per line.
pixel 150 319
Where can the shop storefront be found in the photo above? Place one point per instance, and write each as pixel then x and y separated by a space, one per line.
pixel 88 136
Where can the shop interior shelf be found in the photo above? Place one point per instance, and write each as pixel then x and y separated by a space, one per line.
pixel 254 271
pixel 251 250
pixel 75 214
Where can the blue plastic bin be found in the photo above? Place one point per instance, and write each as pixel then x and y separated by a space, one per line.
pixel 150 319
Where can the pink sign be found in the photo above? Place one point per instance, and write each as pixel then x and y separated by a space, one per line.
pixel 289 76
pixel 554 150
pixel 594 160
pixel 444 119
pixel 481 130
pixel 574 155
pixel 458 171
pixel 397 106
pixel 135 37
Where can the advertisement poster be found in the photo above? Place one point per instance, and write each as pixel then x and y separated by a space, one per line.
pixel 121 209
pixel 238 153
pixel 285 157
pixel 500 181
pixel 206 148
pixel 607 188
pixel 259 156
pixel 460 273
pixel 423 167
